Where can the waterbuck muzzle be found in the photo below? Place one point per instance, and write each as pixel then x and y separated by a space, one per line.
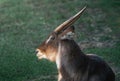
pixel 49 48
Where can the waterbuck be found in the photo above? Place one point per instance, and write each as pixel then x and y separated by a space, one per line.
pixel 72 63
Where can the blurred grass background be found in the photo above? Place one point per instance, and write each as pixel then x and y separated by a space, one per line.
pixel 24 24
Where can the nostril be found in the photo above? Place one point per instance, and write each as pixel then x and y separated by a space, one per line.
pixel 37 51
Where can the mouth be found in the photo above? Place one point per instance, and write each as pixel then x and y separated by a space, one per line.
pixel 40 55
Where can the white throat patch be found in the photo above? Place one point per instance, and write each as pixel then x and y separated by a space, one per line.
pixel 58 59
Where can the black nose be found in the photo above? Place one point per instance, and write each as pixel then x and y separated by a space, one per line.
pixel 37 51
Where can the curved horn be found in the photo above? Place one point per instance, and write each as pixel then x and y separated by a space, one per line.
pixel 70 21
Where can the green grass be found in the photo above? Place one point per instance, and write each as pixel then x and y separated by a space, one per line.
pixel 24 24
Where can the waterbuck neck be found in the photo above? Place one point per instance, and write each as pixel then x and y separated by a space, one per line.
pixel 68 50
pixel 70 47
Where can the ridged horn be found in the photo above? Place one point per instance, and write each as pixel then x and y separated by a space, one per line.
pixel 70 21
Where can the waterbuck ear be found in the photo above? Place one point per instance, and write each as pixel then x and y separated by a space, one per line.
pixel 68 33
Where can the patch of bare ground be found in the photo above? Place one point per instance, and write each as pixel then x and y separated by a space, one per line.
pixel 96 30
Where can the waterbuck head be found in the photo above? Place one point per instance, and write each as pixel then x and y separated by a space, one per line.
pixel 50 47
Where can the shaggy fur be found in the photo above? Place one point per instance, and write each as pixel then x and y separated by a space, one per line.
pixel 76 66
